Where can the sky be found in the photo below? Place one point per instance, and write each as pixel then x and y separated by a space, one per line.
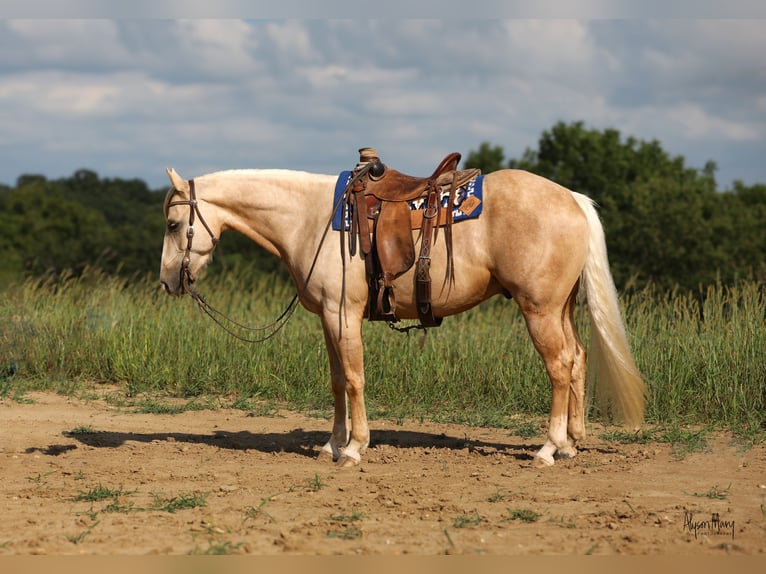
pixel 127 97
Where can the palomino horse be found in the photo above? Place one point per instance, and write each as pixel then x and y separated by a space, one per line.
pixel 535 240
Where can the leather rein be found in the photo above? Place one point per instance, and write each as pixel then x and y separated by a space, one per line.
pixel 187 281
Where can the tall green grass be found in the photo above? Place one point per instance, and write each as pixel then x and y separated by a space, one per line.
pixel 704 359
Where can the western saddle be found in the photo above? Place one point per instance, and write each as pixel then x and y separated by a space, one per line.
pixel 377 199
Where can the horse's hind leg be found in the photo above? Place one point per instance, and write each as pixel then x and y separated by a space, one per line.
pixel 551 341
pixel 576 419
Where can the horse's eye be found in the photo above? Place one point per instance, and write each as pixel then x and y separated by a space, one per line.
pixel 173 226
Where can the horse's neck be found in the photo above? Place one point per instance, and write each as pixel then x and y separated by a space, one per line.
pixel 276 209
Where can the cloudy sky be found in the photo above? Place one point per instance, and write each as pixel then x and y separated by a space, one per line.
pixel 128 97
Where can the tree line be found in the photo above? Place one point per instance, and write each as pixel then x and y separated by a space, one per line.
pixel 665 222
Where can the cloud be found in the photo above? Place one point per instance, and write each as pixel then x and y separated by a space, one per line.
pixel 127 97
pixel 63 44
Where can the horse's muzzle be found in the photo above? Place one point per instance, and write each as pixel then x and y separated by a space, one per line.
pixel 177 292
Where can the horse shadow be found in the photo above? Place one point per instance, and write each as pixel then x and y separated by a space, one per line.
pixel 302 442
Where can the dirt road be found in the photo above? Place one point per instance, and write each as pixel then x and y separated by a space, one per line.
pixel 85 477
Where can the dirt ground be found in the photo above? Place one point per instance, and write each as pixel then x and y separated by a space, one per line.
pixel 86 477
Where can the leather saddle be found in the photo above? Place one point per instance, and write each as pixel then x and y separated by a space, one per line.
pixel 378 199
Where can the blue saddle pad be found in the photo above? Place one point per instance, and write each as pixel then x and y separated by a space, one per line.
pixel 471 189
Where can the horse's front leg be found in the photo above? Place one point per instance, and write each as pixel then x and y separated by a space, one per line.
pixel 344 349
pixel 339 437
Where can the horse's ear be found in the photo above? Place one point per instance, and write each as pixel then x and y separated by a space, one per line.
pixel 178 183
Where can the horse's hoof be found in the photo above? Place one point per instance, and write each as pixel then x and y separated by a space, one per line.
pixel 540 462
pixel 346 461
pixel 566 452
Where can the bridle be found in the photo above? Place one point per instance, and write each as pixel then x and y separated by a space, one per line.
pixel 187 280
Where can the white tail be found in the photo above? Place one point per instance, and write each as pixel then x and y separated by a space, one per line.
pixel 613 379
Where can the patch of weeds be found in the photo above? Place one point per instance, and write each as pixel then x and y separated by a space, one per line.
pixel 467 520
pixel 40 478
pixel 526 429
pixel 350 533
pixel 120 507
pixel 157 407
pixel 14 389
pixel 100 492
pixel 524 515
pixel 563 523
pixel 497 497
pixel 315 484
pixel 686 442
pixel 641 436
pixel 256 407
pixel 749 435
pixel 714 493
pixel 683 441
pixel 217 548
pixel 201 405
pixel 182 502
pixel 81 430
pixel 77 538
pixel 90 513
pixel 87 395
pixel 353 517
pixel 252 512
pixel 115 400
pixel 6 544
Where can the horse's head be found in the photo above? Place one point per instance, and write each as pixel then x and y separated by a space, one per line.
pixel 185 251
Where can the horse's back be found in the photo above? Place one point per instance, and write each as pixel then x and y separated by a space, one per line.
pixel 537 232
pixel 530 240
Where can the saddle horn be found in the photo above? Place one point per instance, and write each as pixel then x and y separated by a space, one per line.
pixel 369 155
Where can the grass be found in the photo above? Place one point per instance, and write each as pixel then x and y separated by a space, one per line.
pixel 468 520
pixel 77 538
pixel 348 533
pixel 315 484
pixel 353 517
pixel 252 512
pixel 81 430
pixel 497 497
pixel 120 507
pixel 181 502
pixel 703 357
pixel 99 493
pixel 40 478
pixel 683 441
pixel 714 493
pixel 524 515
pixel 215 548
pixel 120 504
